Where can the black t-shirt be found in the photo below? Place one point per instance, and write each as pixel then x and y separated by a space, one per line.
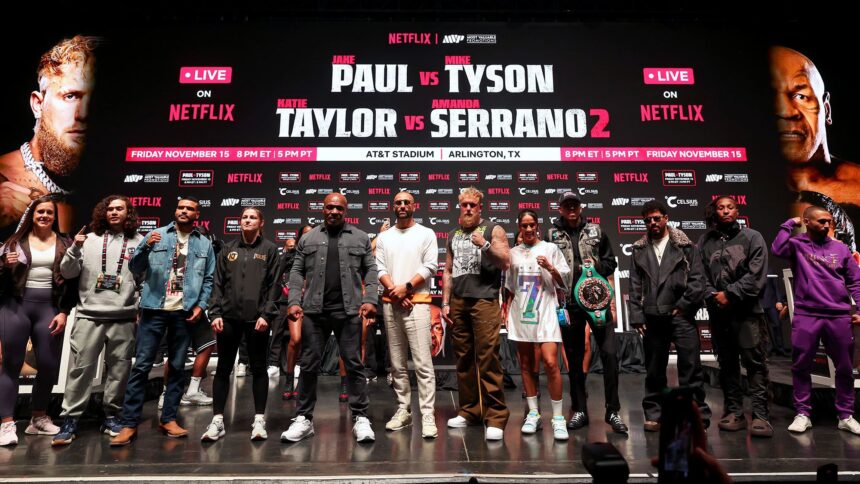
pixel 333 292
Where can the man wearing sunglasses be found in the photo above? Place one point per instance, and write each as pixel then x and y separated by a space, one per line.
pixel 826 277
pixel 667 286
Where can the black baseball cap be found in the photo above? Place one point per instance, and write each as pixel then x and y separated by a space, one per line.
pixel 569 197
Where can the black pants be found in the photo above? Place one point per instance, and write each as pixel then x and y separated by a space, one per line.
pixel 573 337
pixel 315 331
pixel 741 340
pixel 228 345
pixel 659 334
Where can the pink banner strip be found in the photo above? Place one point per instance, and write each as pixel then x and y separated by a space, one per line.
pixel 704 154
pixel 176 154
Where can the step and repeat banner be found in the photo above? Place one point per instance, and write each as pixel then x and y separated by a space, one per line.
pixel 278 115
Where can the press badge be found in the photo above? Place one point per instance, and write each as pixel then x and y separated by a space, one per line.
pixel 107 282
pixel 176 283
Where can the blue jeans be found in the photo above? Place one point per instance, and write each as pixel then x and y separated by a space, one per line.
pixel 150 331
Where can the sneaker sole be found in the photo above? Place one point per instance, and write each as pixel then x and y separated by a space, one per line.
pixel 110 432
pixel 206 438
pixel 61 442
pixel 365 439
pixel 429 436
pixel 530 432
pixel 287 439
pixel 390 429
pixel 258 437
pixel 28 431
pixel 457 426
pixel 800 431
pixel 847 429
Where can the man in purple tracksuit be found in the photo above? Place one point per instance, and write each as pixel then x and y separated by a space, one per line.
pixel 825 275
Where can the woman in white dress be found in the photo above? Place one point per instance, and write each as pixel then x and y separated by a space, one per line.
pixel 537 271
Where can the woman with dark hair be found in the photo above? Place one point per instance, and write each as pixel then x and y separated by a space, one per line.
pixel 34 302
pixel 537 271
pixel 243 298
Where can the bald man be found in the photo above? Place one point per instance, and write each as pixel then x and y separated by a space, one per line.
pixel 825 279
pixel 803 112
pixel 335 265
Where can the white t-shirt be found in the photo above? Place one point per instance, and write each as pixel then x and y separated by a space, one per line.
pixel 173 298
pixel 41 275
pixel 403 253
pixel 660 248
pixel 532 313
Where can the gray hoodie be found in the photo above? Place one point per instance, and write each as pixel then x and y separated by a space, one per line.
pixel 86 262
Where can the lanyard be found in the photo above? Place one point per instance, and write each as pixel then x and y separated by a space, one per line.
pixel 121 254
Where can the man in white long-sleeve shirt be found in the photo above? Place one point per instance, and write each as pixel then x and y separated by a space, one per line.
pixel 406 258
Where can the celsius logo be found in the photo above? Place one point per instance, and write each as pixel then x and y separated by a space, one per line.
pixel 588 191
pixel 133 178
pixel 413 191
pixel 314 221
pixel 376 220
pixel 674 202
pixel 145 201
pixel 453 39
pixel 439 221
pixel 287 191
pixel 229 202
pixel 500 220
pixel 713 177
pixel 348 191
pixel 620 202
pixel 529 191
pixel 627 249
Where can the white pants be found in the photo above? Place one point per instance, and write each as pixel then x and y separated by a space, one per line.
pixel 411 331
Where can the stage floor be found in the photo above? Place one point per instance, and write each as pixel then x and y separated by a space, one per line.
pixel 456 455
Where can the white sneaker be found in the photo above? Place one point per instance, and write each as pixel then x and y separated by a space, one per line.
pixel 458 422
pixel 42 426
pixel 801 424
pixel 199 399
pixel 532 423
pixel 402 418
pixel 8 434
pixel 559 428
pixel 494 433
pixel 214 431
pixel 301 428
pixel 850 425
pixel 258 429
pixel 362 430
pixel 428 426
pixel 273 371
pixel 241 369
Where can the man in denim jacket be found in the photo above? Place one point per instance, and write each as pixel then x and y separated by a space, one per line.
pixel 178 266
pixel 336 267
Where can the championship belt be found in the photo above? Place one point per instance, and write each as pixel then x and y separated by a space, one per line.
pixel 593 294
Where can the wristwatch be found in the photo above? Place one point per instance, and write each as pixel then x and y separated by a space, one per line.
pixel 593 294
pixel 409 286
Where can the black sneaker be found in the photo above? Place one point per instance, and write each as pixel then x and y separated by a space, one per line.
pixel 577 421
pixel 618 425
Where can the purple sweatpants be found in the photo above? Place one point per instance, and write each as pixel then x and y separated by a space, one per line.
pixel 836 334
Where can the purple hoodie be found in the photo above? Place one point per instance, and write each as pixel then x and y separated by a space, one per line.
pixel 824 274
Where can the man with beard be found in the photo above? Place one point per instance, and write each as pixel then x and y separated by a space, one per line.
pixel 803 111
pixel 335 265
pixel 586 243
pixel 478 253
pixel 44 164
pixel 406 256
pixel 177 265
pixel 735 261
